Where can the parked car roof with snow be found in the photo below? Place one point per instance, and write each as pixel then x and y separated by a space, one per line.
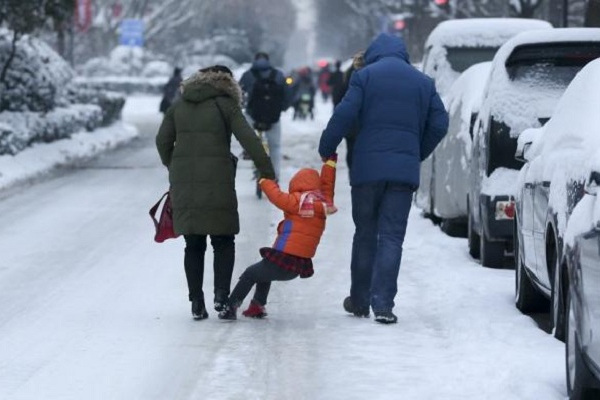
pixel 453 46
pixel 519 65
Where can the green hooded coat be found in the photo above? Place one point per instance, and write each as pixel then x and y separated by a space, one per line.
pixel 194 143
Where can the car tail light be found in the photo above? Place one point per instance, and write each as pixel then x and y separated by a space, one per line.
pixel 505 210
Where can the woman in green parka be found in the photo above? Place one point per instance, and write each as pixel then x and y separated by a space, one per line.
pixel 194 143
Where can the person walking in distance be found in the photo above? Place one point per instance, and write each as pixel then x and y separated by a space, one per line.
pixel 171 91
pixel 336 82
pixel 267 96
pixel 194 143
pixel 402 119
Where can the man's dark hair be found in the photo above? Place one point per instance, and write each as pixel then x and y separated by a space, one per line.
pixel 218 68
pixel 177 71
pixel 261 55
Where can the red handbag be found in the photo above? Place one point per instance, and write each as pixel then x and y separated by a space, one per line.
pixel 164 225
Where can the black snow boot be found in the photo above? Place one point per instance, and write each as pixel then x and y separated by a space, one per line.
pixel 352 309
pixel 386 317
pixel 229 313
pixel 199 309
pixel 221 300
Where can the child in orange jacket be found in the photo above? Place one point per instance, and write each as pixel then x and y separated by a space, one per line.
pixel 305 208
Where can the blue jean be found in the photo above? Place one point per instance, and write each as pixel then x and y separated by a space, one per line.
pixel 380 213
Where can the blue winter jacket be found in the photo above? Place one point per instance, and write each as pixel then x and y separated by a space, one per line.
pixel 399 112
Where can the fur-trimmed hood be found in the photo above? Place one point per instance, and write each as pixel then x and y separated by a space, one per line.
pixel 202 86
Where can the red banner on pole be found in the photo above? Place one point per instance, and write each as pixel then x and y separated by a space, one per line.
pixel 83 15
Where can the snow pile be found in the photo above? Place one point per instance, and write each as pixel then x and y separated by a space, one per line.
pixel 481 32
pixel 38 77
pixel 502 182
pixel 519 105
pixel 41 158
pixel 19 130
pixel 476 32
pixel 467 93
pixel 566 149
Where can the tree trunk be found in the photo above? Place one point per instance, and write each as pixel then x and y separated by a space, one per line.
pixel 9 60
pixel 592 14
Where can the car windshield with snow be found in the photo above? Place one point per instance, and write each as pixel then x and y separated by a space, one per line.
pixel 550 185
pixel 451 48
pixel 529 75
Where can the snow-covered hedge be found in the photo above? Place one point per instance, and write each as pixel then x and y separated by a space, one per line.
pixel 37 78
pixel 19 130
pixel 41 102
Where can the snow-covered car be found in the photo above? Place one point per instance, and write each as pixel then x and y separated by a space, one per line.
pixel 582 300
pixel 529 75
pixel 451 48
pixel 550 185
pixel 449 186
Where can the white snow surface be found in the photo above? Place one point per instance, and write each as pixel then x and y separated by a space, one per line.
pixel 96 310
pixel 518 104
pixel 502 182
pixel 481 32
pixel 566 149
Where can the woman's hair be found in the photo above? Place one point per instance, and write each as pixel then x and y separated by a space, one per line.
pixel 218 68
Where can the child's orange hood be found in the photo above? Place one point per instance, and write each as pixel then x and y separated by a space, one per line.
pixel 305 180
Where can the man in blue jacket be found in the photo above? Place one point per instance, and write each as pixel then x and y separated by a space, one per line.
pixel 401 119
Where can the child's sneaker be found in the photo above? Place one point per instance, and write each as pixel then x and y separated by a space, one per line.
pixel 255 310
pixel 229 313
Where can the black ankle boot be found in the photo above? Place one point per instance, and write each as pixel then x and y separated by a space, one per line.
pixel 199 309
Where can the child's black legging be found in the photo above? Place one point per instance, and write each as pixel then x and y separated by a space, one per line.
pixel 260 274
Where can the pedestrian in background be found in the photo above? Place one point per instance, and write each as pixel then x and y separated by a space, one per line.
pixel 194 143
pixel 336 82
pixel 267 96
pixel 171 90
pixel 401 119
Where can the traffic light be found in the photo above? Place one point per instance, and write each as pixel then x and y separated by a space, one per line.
pixel 443 5
pixel 397 24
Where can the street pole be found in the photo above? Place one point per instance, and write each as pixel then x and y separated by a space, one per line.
pixel 565 13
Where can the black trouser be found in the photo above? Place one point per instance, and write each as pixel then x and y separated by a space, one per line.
pixel 262 274
pixel 224 258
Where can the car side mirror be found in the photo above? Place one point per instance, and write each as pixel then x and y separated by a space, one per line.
pixel 593 184
pixel 521 154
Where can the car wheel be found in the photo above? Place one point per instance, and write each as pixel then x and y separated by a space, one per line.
pixel 454 228
pixel 527 298
pixel 473 237
pixel 579 378
pixel 491 253
pixel 557 308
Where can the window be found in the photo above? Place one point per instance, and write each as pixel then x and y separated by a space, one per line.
pixel 461 58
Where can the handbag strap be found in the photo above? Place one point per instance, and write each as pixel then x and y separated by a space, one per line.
pixel 154 209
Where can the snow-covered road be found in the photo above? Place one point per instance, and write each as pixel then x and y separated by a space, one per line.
pixel 91 308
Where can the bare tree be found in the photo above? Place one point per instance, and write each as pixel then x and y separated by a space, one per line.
pixel 525 8
pixel 592 13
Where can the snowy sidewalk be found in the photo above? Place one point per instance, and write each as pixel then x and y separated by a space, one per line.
pixel 91 308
